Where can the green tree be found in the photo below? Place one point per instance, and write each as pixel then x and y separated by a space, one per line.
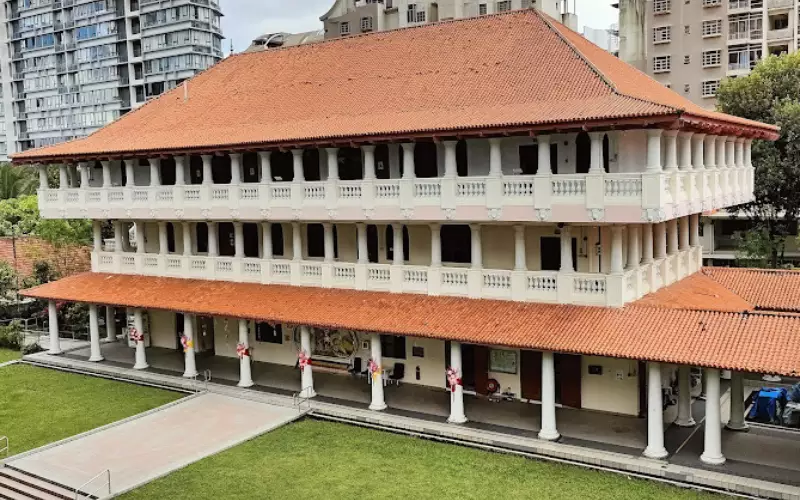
pixel 770 94
pixel 17 181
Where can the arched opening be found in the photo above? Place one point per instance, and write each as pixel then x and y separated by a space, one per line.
pixel 221 169
pixel 425 160
pixel 583 153
pixel 350 167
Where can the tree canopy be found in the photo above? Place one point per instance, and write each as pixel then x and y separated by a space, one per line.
pixel 20 217
pixel 770 94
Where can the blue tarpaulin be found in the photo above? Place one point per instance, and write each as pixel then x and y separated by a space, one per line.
pixel 768 405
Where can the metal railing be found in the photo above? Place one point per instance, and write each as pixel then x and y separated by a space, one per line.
pixel 5 449
pixel 83 493
pixel 298 400
pixel 202 386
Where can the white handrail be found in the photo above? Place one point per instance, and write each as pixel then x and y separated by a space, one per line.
pixel 79 492
pixel 298 400
pixel 6 448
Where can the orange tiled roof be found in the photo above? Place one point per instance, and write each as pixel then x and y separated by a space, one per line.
pixel 766 289
pixel 747 342
pixel 496 73
pixel 697 292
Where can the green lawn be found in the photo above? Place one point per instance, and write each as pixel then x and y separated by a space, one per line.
pixel 39 406
pixel 316 460
pixel 8 355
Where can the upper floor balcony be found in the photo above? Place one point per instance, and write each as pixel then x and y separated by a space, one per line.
pixel 619 177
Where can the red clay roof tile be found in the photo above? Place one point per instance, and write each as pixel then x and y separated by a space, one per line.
pixel 491 73
pixel 766 289
pixel 697 292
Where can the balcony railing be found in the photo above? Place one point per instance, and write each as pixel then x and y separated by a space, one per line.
pixel 622 198
pixel 523 286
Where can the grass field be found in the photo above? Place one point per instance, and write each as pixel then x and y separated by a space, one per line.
pixel 316 460
pixel 8 355
pixel 39 406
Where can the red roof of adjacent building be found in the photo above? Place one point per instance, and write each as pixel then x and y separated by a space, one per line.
pixel 761 343
pixel 514 72
pixel 766 289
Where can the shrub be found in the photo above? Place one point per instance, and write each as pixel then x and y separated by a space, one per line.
pixel 11 336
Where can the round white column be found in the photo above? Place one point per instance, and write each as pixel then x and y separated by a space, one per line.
pixel 495 157
pixel 266 241
pixel 654 150
pixel 333 163
pixel 655 414
pixel 238 239
pixel 130 166
pixel 141 354
pixel 672 236
pixel 436 245
pixel 94 335
pixel 265 162
pixel 520 257
pixel 140 236
pixel 736 421
pixel 596 153
pixel 297 242
pixel 97 236
pixel 378 402
pixel 163 238
pixel 245 370
pixel 477 248
pixel 685 150
pixel 208 170
pixel 457 415
pixel 155 171
pixel 694 230
pixel 297 165
pixel 567 266
pixel 450 165
pixel 84 168
pixel 328 242
pixel 43 182
pixel 683 235
pixel 398 259
pixel 660 235
pixel 698 151
pixel 408 160
pixel 189 364
pixel 712 453
pixel 63 177
pixel 685 397
pixel 55 339
pixel 111 324
pixel 187 239
pixel 647 244
pixel 545 168
pixel 549 431
pixel 363 247
pixel 307 375
pixel 106 173
pixel 213 239
pixel 236 169
pixel 369 162
pixel 616 250
pixel 634 247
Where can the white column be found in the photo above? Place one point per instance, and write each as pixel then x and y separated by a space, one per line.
pixel 245 371
pixel 266 241
pixel 685 150
pixel 549 431
pixel 180 170
pixel 238 239
pixel 84 167
pixel 544 155
pixel 130 172
pixel 748 153
pixel 189 364
pixel 567 266
pixel 660 237
pixel 328 235
pixel 654 150
pixel 141 354
pixel 307 376
pixel 186 232
pixel 617 266
pixel 457 415
pixel 685 397
pixel 672 237
pixel 722 162
pixel 363 248
pixel 43 184
pixel 369 162
pixel 736 421
pixel 75 175
pixel 710 152
pixel 671 150
pixel 63 177
pixel 397 245
pixel 496 157
pixel 694 230
pixel 408 160
pixel 213 239
pixel 208 171
pixel 155 171
pixel 730 152
pixel 712 453
pixel 94 335
pixel 655 414
pixel 520 256
pixel 55 339
pixel 739 152
pixel 297 165
pixel 265 163
pixel 333 163
pixel 450 165
pixel 118 246
pixel 436 245
pixel 236 169
pixel 97 236
pixel 378 402
pixel 163 238
pixel 140 235
pixel 683 235
pixel 111 324
pixel 297 242
pixel 698 151
pixel 647 244
pixel 477 247
pixel 634 246
pixel 596 153
pixel 106 173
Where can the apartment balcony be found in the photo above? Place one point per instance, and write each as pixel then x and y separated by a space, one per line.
pixel 780 34
pixel 780 4
pixel 522 286
pixel 575 198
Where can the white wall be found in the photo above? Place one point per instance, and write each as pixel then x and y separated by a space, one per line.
pixel 162 329
pixel 615 391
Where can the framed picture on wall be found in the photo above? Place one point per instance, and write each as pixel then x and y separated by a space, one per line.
pixel 503 361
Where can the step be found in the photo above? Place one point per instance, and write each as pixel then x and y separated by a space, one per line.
pixel 30 484
pixel 24 491
pixel 6 494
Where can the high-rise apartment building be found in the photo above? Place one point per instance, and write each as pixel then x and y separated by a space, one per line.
pixel 692 45
pixel 73 66
pixel 351 17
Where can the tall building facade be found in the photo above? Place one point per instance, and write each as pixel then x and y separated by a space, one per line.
pixel 351 17
pixel 72 67
pixel 692 46
pixel 607 38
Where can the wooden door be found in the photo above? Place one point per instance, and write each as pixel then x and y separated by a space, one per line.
pixel 481 371
pixel 530 370
pixel 568 377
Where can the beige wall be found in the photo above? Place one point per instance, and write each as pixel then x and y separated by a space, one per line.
pixel 615 391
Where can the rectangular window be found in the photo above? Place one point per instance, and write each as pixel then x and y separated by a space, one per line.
pixel 710 88
pixel 393 346
pixel 712 3
pixel 712 28
pixel 712 58
pixel 482 9
pixel 661 6
pixel 662 34
pixel 366 24
pixel 504 6
pixel 270 334
pixel 662 64
pixel 687 59
pixel 344 28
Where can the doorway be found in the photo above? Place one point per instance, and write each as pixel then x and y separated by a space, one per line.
pixel 550 253
pixel 204 336
pixel 568 378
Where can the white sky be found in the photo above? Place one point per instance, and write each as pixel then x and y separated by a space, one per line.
pixel 246 19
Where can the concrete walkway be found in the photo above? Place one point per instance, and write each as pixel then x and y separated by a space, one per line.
pixel 155 444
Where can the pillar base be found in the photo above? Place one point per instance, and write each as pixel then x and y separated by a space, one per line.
pixel 457 419
pixel 96 359
pixel 656 454
pixel 549 435
pixel 191 374
pixel 142 366
pixel 686 423
pixel 378 407
pixel 308 393
pixel 245 383
pixel 742 427
pixel 712 459
pixel 55 352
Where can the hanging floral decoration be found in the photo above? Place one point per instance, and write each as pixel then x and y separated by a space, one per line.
pixel 135 335
pixel 187 343
pixel 242 351
pixel 453 379
pixel 375 370
pixel 303 359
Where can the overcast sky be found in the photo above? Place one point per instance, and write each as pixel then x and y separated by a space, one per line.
pixel 246 19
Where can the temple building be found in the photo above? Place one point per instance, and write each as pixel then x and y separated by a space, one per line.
pixel 431 207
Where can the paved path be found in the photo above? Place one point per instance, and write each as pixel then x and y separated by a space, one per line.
pixel 140 450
